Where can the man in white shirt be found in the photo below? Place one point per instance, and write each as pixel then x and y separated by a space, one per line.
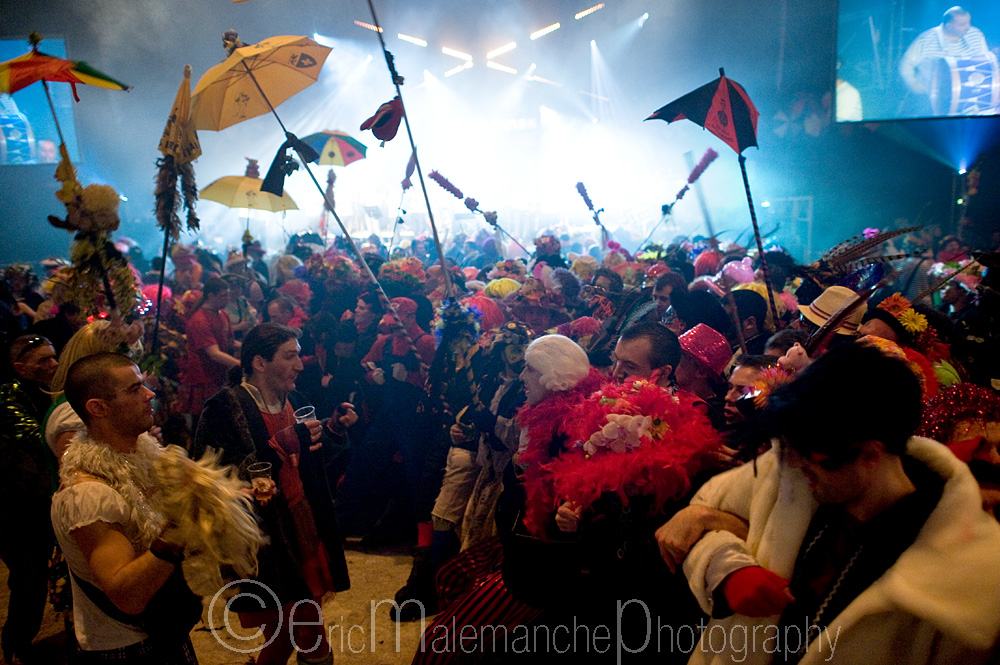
pixel 112 536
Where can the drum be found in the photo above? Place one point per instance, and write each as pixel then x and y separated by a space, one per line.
pixel 966 86
pixel 17 141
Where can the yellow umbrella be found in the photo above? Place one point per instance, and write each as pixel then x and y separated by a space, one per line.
pixel 255 79
pixel 243 191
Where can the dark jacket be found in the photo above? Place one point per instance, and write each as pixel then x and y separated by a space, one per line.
pixel 231 421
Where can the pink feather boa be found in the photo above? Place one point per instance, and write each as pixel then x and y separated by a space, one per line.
pixel 658 460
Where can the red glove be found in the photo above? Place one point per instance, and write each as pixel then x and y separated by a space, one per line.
pixel 756 592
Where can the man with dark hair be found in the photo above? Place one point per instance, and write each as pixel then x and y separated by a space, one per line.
pixel 666 285
pixel 865 544
pixel 26 538
pixel 263 419
pixel 60 328
pixel 746 372
pixel 751 308
pixel 116 542
pixel 281 310
pixel 780 342
pixel 608 281
pixel 644 349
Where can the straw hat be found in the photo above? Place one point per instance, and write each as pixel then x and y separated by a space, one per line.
pixel 828 302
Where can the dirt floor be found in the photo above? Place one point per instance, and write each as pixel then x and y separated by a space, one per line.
pixel 359 629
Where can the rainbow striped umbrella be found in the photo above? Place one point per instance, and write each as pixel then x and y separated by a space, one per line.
pixel 20 72
pixel 335 147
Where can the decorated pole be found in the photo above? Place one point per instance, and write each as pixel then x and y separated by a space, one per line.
pixel 597 215
pixel 397 81
pixel 696 171
pixel 473 205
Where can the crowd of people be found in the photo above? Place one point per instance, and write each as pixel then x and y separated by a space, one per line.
pixel 693 452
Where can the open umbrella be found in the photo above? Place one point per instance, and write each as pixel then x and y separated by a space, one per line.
pixel 22 71
pixel 335 147
pixel 253 80
pixel 243 191
pixel 724 108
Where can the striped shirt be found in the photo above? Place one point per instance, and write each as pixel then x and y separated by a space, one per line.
pixel 917 65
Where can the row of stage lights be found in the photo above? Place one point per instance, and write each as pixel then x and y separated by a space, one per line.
pixel 467 59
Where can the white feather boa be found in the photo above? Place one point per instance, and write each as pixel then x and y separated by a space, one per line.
pixel 204 504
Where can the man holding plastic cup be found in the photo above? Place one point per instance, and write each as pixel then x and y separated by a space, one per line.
pixel 263 420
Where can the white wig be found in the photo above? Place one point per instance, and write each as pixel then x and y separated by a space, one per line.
pixel 560 361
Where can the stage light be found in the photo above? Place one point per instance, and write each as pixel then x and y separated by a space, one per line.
pixel 456 70
pixel 323 40
pixel 642 19
pixel 765 204
pixel 593 43
pixel 506 48
pixel 412 40
pixel 367 26
pixel 123 198
pixel 960 201
pixel 500 68
pixel 369 58
pixel 539 79
pixel 544 31
pixel 961 172
pixel 456 54
pixel 588 11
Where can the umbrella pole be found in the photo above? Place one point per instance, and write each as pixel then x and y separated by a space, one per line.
pixel 383 298
pixel 52 108
pixel 159 291
pixel 760 243
pixel 397 81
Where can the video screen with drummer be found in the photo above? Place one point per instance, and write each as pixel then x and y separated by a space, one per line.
pixel 918 59
pixel 28 134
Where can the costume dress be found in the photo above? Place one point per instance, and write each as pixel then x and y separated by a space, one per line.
pixel 304 557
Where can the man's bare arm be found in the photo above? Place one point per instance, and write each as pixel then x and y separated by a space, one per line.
pixel 128 580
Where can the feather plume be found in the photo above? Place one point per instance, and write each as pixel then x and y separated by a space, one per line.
pixel 858 247
pixel 583 193
pixel 446 184
pixel 702 164
pixel 214 517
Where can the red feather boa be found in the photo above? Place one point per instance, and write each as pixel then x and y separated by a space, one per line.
pixel 659 466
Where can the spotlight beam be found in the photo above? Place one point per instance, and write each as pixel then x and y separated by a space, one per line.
pixel 367 26
pixel 506 48
pixel 457 54
pixel 412 40
pixel 544 31
pixel 456 70
pixel 501 68
pixel 588 11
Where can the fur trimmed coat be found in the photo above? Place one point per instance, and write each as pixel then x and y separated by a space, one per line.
pixel 232 421
pixel 937 604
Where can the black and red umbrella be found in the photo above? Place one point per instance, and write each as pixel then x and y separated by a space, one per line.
pixel 724 108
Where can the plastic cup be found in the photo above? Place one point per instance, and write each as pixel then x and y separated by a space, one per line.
pixel 260 476
pixel 304 414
